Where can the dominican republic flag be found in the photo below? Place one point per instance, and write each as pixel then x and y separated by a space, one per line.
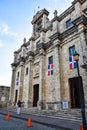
pixel 50 69
pixel 17 80
pixel 72 63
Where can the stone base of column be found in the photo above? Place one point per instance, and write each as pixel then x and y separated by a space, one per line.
pixel 86 104
pixel 53 106
pixel 26 104
pixel 40 105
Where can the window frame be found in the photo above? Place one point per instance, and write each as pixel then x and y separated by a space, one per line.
pixel 68 23
pixel 50 60
pixel 26 71
pixel 71 50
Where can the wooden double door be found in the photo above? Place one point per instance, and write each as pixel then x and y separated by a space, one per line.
pixel 75 92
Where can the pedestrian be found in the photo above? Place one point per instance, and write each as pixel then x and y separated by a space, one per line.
pixel 18 107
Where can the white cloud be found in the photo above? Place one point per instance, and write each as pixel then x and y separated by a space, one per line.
pixel 55 1
pixel 1 43
pixel 6 30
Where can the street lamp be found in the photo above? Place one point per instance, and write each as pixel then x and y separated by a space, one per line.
pixel 82 104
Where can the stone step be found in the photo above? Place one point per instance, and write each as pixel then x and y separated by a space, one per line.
pixel 74 115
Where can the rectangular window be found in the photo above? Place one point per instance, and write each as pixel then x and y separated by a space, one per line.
pixel 68 23
pixel 18 74
pixel 27 71
pixel 71 50
pixel 51 60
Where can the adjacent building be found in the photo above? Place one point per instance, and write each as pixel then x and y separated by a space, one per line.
pixel 4 95
pixel 44 73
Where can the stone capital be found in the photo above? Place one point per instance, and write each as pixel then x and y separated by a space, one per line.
pixel 41 52
pixel 30 58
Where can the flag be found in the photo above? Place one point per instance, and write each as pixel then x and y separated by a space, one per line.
pixel 50 69
pixel 17 80
pixel 72 63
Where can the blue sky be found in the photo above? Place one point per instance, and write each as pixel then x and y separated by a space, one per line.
pixel 15 24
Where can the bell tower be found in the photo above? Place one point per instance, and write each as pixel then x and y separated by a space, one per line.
pixel 39 21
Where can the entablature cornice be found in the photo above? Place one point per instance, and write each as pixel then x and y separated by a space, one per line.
pixel 15 64
pixel 68 32
pixel 85 11
pixel 32 38
pixel 79 20
pixel 41 46
pixel 80 1
pixel 55 19
pixel 48 44
pixel 30 53
pixel 66 12
pixel 43 30
pixel 55 36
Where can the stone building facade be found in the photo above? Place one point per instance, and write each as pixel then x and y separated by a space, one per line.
pixel 41 73
pixel 4 95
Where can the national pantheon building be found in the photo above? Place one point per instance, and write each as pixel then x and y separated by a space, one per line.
pixel 44 71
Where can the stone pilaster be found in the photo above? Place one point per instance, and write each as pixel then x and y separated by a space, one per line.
pixel 83 44
pixel 21 81
pixel 41 79
pixel 12 92
pixel 28 89
pixel 78 9
pixel 57 89
pixel 83 58
pixel 30 80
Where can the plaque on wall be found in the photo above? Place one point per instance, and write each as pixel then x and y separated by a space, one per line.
pixel 65 105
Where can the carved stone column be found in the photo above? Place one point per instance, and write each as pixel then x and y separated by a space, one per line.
pixel 57 86
pixel 12 92
pixel 21 81
pixel 41 79
pixel 83 43
pixel 83 58
pixel 28 89
pixel 30 92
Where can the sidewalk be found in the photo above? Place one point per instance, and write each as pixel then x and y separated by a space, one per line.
pixel 52 122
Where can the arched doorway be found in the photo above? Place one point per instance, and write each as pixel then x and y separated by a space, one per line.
pixel 35 94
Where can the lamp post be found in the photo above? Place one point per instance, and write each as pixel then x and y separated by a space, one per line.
pixel 82 104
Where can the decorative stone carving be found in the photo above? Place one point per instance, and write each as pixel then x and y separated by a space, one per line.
pixel 36 69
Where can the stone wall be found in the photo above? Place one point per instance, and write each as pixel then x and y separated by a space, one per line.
pixel 4 95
